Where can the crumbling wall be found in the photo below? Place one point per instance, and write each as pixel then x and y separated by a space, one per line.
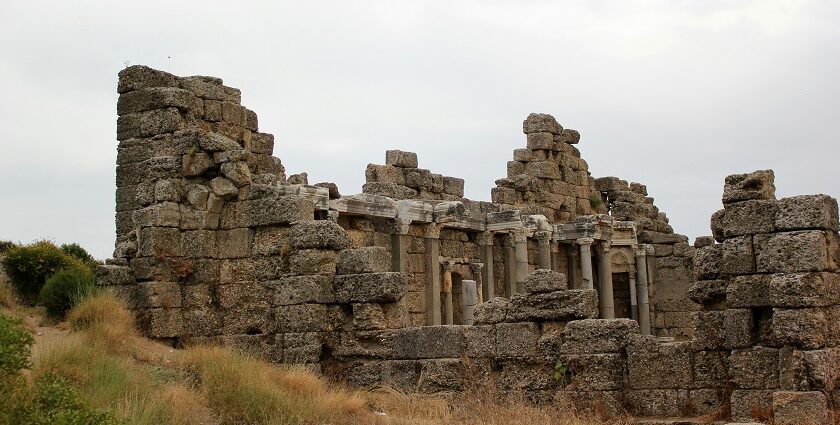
pixel 548 177
pixel 400 178
pixel 671 272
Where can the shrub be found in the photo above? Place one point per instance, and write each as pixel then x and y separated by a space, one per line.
pixel 15 345
pixel 29 267
pixel 65 289
pixel 75 250
pixel 6 245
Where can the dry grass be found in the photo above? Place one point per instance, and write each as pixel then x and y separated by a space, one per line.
pixel 117 370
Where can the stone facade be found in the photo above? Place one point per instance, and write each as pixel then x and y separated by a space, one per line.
pixel 564 287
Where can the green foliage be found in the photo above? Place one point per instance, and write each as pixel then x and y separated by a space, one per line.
pixel 29 267
pixel 561 373
pixel 65 289
pixel 595 201
pixel 75 250
pixel 52 401
pixel 6 245
pixel 15 345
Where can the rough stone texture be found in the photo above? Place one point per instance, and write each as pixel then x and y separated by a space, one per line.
pixel 745 187
pixel 320 234
pixel 542 280
pixel 792 252
pixel 807 212
pixel 658 365
pixel 553 306
pixel 800 408
pixel 371 259
pixel 369 287
pixel 401 159
pixel 598 335
pixel 430 342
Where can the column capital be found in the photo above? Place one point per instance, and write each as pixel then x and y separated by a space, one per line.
pixel 447 265
pixel 401 226
pixel 432 231
pixel 519 235
pixel 476 267
pixel 632 274
pixel 485 238
pixel 639 250
pixel 605 246
pixel 585 241
pixel 543 237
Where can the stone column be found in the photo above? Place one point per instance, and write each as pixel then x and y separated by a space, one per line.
pixel 644 307
pixel 543 249
pixel 510 266
pixel 634 303
pixel 431 242
pixel 448 318
pixel 521 240
pixel 469 298
pixel 477 270
pixel 399 244
pixel 586 263
pixel 555 254
pixel 605 287
pixel 572 261
pixel 488 286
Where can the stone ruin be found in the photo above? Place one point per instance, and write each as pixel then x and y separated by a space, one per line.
pixel 564 287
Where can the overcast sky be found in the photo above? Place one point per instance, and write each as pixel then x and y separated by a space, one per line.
pixel 673 94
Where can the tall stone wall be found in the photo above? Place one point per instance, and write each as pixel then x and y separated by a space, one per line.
pixel 671 270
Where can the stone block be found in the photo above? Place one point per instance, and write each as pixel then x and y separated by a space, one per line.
pixel 312 261
pixel 749 291
pixel 538 123
pixel 158 295
pixel 517 339
pixel 112 275
pixel 138 77
pixel 744 187
pixel 159 241
pixel 809 370
pixel 607 403
pixel 223 188
pixel 453 186
pixel 752 405
pixel 709 330
pixel 598 335
pixel 807 212
pixel 302 318
pixel 710 369
pixel 368 317
pixel 567 305
pixel 245 294
pixel 320 234
pixel 543 169
pixel 523 375
pixel 800 408
pixel 807 328
pixel 267 211
pixel 430 342
pixel 272 240
pixel 441 375
pixel 302 347
pixel 481 341
pixel 147 99
pixel 369 287
pixel 401 159
pixel 804 289
pixel 385 174
pixel 234 243
pixel 370 259
pixel 594 372
pixel 302 289
pixel 542 280
pixel 791 252
pixel 541 140
pixel 165 214
pixel 737 256
pixel 707 262
pixel 653 402
pixel 709 293
pixel 739 327
pixel 755 368
pixel 651 364
pixel 744 218
pixel 390 190
pixel 491 311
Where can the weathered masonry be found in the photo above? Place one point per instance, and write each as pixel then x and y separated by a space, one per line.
pixel 411 284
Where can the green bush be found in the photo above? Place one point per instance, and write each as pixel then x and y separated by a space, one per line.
pixel 65 289
pixel 29 267
pixel 15 344
pixel 75 250
pixel 6 245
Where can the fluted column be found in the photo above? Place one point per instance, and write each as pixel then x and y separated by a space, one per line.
pixel 634 302
pixel 399 243
pixel 605 287
pixel 510 265
pixel 572 261
pixel 488 286
pixel 586 281
pixel 447 293
pixel 644 308
pixel 431 242
pixel 543 249
pixel 521 240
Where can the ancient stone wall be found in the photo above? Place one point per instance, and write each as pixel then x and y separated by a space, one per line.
pixel 215 245
pixel 671 273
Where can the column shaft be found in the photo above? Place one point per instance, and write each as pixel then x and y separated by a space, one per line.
pixel 488 286
pixel 543 250
pixel 586 281
pixel 432 268
pixel 521 260
pixel 634 302
pixel 571 261
pixel 644 308
pixel 510 267
pixel 605 287
pixel 447 296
